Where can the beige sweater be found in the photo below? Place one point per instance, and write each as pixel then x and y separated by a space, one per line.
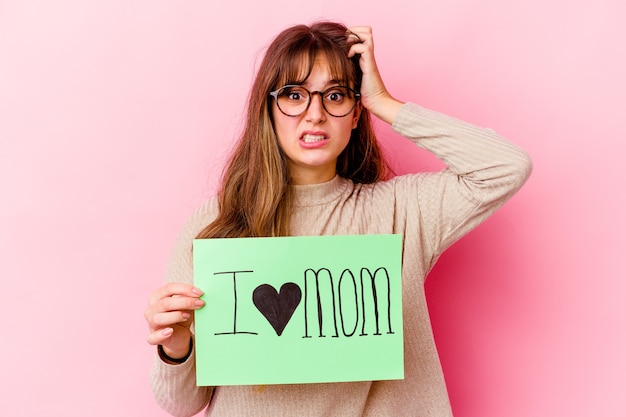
pixel 431 211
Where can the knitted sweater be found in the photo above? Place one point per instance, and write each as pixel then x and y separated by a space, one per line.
pixel 430 210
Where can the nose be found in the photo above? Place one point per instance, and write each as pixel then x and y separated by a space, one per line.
pixel 316 112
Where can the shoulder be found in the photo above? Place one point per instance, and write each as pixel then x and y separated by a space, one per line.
pixel 180 261
pixel 201 217
pixel 198 220
pixel 397 191
pixel 396 184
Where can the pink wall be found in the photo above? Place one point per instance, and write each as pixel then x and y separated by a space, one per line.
pixel 115 118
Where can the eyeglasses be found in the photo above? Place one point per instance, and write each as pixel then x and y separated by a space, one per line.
pixel 293 100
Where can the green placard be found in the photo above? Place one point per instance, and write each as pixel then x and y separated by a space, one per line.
pixel 299 309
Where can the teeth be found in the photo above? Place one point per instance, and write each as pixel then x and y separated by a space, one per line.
pixel 312 138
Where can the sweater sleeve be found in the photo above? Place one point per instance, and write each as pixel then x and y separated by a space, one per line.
pixel 483 171
pixel 174 386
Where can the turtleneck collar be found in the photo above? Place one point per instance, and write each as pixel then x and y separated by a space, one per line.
pixel 316 194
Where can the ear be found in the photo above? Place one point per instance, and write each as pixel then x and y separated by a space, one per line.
pixel 356 115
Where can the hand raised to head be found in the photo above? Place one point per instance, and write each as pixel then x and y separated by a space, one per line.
pixel 374 94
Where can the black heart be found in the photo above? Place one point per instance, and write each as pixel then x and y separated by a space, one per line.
pixel 277 307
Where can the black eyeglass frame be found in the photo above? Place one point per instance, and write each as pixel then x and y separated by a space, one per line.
pixel 311 94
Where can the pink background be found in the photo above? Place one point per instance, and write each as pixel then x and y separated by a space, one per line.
pixel 115 119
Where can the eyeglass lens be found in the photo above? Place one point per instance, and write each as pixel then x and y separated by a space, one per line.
pixel 294 100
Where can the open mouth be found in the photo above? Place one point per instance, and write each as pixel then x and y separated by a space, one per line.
pixel 308 138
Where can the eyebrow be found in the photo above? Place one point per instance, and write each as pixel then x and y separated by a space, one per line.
pixel 329 83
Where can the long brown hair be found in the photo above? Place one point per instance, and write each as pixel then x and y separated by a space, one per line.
pixel 255 198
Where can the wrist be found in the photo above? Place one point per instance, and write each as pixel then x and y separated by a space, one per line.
pixel 173 358
pixel 386 109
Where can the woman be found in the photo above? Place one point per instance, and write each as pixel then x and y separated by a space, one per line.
pixel 308 163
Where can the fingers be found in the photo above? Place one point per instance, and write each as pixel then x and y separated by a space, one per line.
pixel 371 83
pixel 364 47
pixel 160 320
pixel 172 289
pixel 374 94
pixel 361 33
pixel 176 303
pixel 160 336
pixel 363 40
pixel 170 310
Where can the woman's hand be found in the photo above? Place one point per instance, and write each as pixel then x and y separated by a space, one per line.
pixel 374 95
pixel 169 316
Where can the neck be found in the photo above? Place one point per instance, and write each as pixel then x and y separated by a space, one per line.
pixel 311 176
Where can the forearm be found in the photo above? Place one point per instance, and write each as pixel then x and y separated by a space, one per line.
pixel 483 171
pixel 489 167
pixel 174 387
